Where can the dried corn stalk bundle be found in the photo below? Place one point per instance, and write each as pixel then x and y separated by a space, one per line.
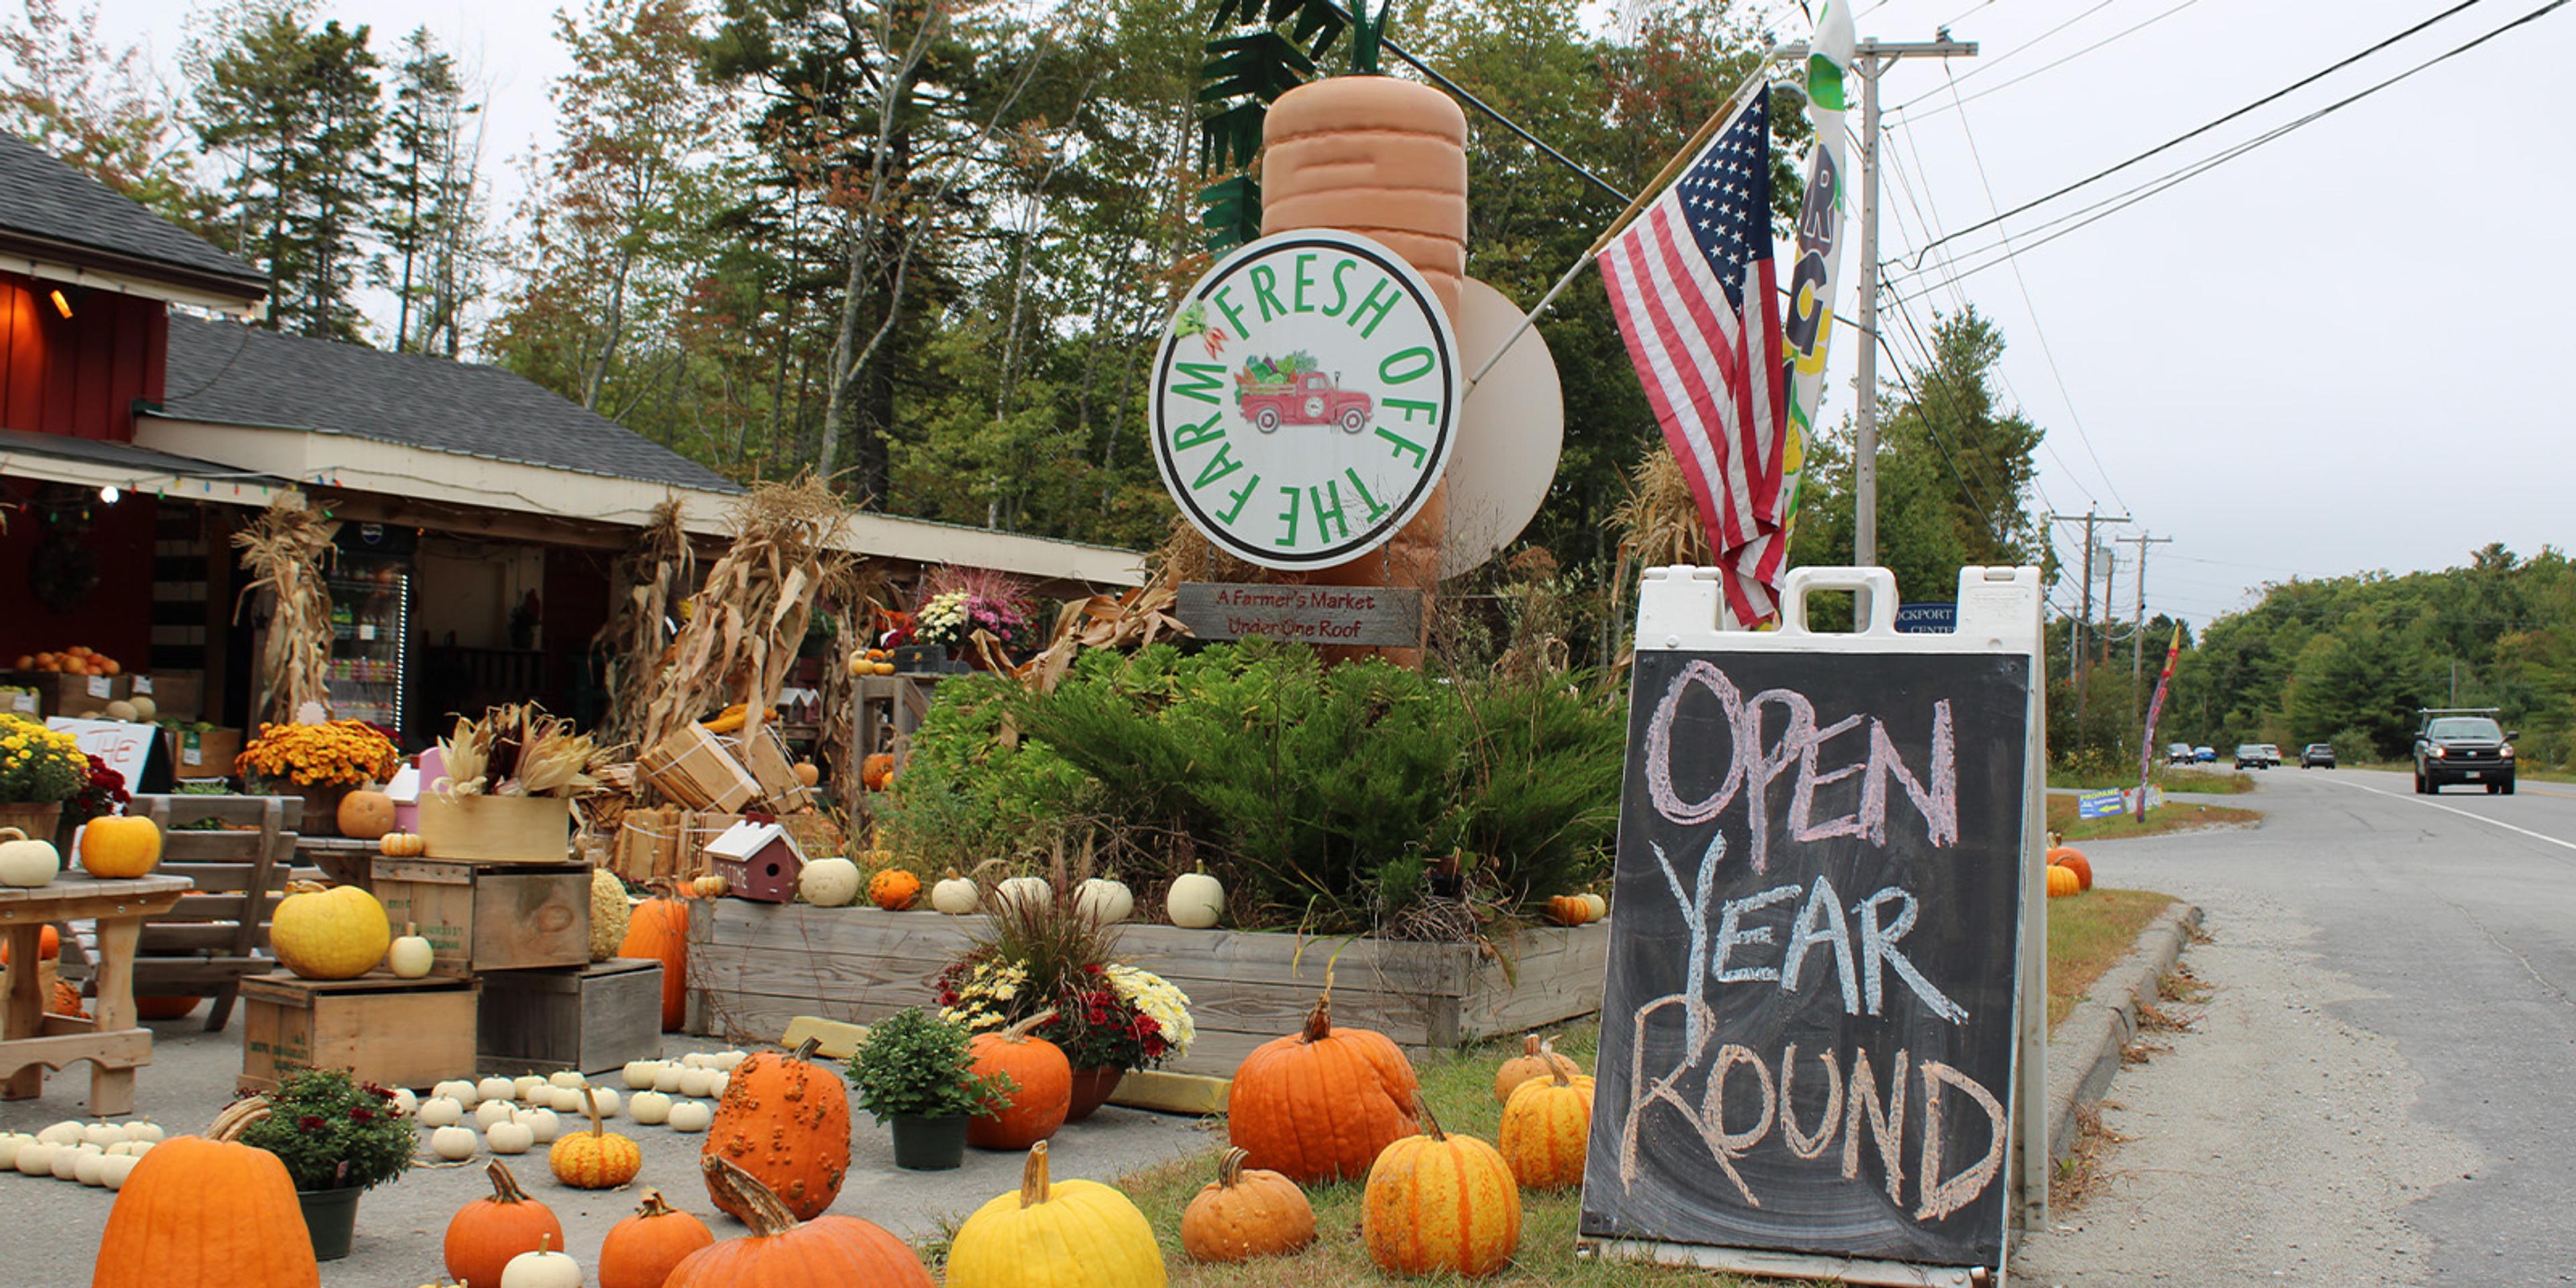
pixel 282 550
pixel 518 750
pixel 1129 621
pixel 1659 524
pixel 745 623
pixel 637 637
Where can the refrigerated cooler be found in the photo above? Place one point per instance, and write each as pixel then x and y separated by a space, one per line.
pixel 370 581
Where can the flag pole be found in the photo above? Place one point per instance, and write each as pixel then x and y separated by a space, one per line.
pixel 1699 139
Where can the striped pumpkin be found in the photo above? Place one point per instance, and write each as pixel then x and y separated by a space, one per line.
pixel 1547 1126
pixel 1437 1202
pixel 1319 1105
pixel 1386 159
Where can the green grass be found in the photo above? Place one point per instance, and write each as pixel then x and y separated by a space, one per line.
pixel 2213 782
pixel 2087 934
pixel 2175 816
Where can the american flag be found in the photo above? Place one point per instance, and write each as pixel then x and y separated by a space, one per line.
pixel 1691 285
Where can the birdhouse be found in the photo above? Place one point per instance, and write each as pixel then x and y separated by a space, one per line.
pixel 758 860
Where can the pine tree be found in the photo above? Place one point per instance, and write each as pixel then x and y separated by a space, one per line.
pixel 432 216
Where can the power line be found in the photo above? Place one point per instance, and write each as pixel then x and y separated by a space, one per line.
pixel 2197 131
pixel 2027 45
pixel 1908 111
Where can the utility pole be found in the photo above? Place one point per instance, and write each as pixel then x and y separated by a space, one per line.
pixel 2137 642
pixel 1869 60
pixel 2084 623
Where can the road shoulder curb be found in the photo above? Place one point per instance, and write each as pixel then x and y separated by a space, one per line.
pixel 2084 1053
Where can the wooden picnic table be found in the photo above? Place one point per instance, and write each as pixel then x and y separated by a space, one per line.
pixel 113 1040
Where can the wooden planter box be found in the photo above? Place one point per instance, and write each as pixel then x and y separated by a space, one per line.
pixel 481 917
pixel 589 1020
pixel 753 967
pixel 496 829
pixel 388 1031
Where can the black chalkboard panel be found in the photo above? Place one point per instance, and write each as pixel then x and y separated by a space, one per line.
pixel 1808 1030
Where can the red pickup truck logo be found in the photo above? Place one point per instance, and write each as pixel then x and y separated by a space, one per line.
pixel 1307 398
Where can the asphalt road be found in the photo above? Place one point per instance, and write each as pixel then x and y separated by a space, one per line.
pixel 2380 1087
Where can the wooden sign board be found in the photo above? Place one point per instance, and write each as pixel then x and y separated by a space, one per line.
pixel 1813 1043
pixel 124 745
pixel 1358 615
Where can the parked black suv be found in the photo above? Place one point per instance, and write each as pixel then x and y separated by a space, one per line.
pixel 2316 754
pixel 2463 745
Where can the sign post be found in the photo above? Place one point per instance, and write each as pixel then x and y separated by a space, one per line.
pixel 1823 1023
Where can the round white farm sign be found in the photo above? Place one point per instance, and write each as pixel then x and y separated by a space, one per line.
pixel 1305 399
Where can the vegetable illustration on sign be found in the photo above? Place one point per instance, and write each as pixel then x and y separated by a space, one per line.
pixel 1336 333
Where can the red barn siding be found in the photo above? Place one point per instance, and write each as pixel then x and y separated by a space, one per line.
pixel 116 617
pixel 78 376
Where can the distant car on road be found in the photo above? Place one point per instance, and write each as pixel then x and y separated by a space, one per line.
pixel 2253 755
pixel 2178 754
pixel 2317 755
pixel 2463 745
pixel 2272 752
pixel 2204 755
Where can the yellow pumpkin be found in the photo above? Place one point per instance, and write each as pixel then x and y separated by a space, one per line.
pixel 334 932
pixel 1537 1057
pixel 1078 1234
pixel 120 847
pixel 598 1159
pixel 401 845
pixel 1439 1202
pixel 1546 1128
pixel 2062 881
pixel 365 816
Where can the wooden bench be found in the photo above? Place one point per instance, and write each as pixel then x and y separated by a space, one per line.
pixel 205 945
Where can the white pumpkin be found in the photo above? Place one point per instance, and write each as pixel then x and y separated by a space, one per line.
pixel 955 896
pixel 496 1088
pixel 493 1111
pixel 829 883
pixel 1033 890
pixel 716 1086
pixel 10 1143
pixel 89 1168
pixel 731 1060
pixel 541 1270
pixel 455 1144
pixel 667 1078
pixel 607 1099
pixel 698 1060
pixel 691 1115
pixel 509 1137
pixel 410 957
pixel 697 1082
pixel 24 863
pixel 459 1090
pixel 526 1084
pixel 67 1132
pixel 148 1133
pixel 639 1074
pixel 567 1078
pixel 67 1160
pixel 129 1148
pixel 563 1100
pixel 441 1111
pixel 405 1102
pixel 650 1108
pixel 113 1171
pixel 36 1158
pixel 1196 901
pixel 103 1134
pixel 1105 901
pixel 543 1122
pixel 1599 905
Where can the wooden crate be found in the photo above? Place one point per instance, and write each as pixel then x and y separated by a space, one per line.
pixel 481 917
pixel 699 770
pixel 496 829
pixel 588 1020
pixel 774 768
pixel 754 967
pixel 176 695
pixel 203 753
pixel 392 1032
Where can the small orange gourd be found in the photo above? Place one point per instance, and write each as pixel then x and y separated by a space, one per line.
pixel 1537 1057
pixel 598 1159
pixel 642 1250
pixel 893 889
pixel 486 1233
pixel 401 845
pixel 1245 1214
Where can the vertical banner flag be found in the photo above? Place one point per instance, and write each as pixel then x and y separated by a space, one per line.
pixel 2156 707
pixel 1692 289
pixel 1809 324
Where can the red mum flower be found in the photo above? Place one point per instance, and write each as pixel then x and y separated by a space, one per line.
pixel 310 1122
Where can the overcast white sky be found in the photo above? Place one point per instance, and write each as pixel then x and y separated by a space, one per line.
pixel 2337 353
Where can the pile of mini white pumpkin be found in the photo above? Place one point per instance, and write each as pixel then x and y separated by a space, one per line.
pixel 98 1153
pixel 517 1114
pixel 1196 900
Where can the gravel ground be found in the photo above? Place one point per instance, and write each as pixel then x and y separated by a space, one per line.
pixel 2270 1143
pixel 53 1226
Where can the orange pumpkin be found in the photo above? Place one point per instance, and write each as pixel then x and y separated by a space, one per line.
pixel 401 845
pixel 1246 1214
pixel 1438 1202
pixel 1045 1086
pixel 49 945
pixel 598 1159
pixel 204 1210
pixel 1537 1057
pixel 658 930
pixel 1320 1104
pixel 165 1008
pixel 876 773
pixel 116 847
pixel 1547 1126
pixel 2073 860
pixel 827 1252
pixel 893 889
pixel 808 773
pixel 2062 882
pixel 66 1001
pixel 367 816
pixel 1568 909
pixel 642 1250
pixel 786 1121
pixel 486 1233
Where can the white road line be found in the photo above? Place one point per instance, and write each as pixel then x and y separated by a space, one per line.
pixel 2454 809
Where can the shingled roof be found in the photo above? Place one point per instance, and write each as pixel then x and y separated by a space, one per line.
pixel 48 200
pixel 226 373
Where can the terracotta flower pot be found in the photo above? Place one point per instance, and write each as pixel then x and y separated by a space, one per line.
pixel 1091 1088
